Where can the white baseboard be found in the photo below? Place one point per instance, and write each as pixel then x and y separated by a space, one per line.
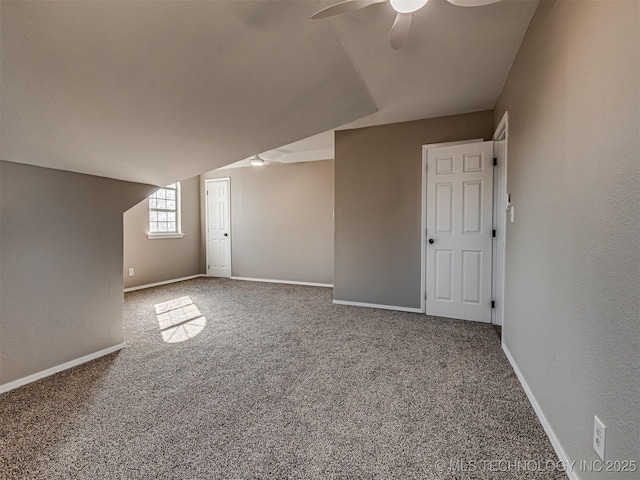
pixel 555 443
pixel 50 371
pixel 290 282
pixel 374 305
pixel 166 282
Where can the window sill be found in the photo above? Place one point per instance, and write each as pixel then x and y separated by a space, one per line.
pixel 160 236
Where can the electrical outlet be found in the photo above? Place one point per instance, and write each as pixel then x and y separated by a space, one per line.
pixel 131 272
pixel 599 436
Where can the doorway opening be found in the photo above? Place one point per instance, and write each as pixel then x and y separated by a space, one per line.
pixel 463 233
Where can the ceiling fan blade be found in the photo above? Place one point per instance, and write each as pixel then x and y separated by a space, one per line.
pixel 472 3
pixel 344 7
pixel 399 34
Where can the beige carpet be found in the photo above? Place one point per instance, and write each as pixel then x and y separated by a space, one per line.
pixel 273 381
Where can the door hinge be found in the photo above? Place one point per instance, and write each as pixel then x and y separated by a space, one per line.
pixel 495 161
pixel 493 304
pixel 208 267
pixel 493 234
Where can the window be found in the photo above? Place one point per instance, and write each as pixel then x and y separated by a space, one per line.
pixel 164 212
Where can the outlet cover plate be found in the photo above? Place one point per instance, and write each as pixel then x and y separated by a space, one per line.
pixel 599 436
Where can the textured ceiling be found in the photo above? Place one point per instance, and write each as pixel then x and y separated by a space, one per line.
pixel 158 91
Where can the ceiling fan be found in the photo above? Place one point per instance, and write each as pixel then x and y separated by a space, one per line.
pixel 258 161
pixel 399 34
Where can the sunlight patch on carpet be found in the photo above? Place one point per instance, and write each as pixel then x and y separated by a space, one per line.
pixel 179 320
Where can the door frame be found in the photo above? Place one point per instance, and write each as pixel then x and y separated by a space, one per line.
pixel 206 223
pixel 423 227
pixel 500 185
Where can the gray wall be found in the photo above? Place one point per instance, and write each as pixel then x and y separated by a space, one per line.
pixel 378 205
pixel 158 260
pixel 281 221
pixel 60 266
pixel 573 253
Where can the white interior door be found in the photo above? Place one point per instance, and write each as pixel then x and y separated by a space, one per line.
pixel 459 231
pixel 218 228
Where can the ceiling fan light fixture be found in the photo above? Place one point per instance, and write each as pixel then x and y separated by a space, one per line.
pixel 257 162
pixel 407 6
pixel 399 34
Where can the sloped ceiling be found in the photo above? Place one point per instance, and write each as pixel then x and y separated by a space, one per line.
pixel 456 62
pixel 159 91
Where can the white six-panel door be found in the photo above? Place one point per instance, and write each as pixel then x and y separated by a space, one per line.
pixel 218 228
pixel 459 231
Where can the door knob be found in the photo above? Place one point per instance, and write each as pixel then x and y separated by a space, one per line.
pixel 431 240
pixel 226 234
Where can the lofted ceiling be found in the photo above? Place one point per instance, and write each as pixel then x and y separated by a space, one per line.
pixel 160 91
